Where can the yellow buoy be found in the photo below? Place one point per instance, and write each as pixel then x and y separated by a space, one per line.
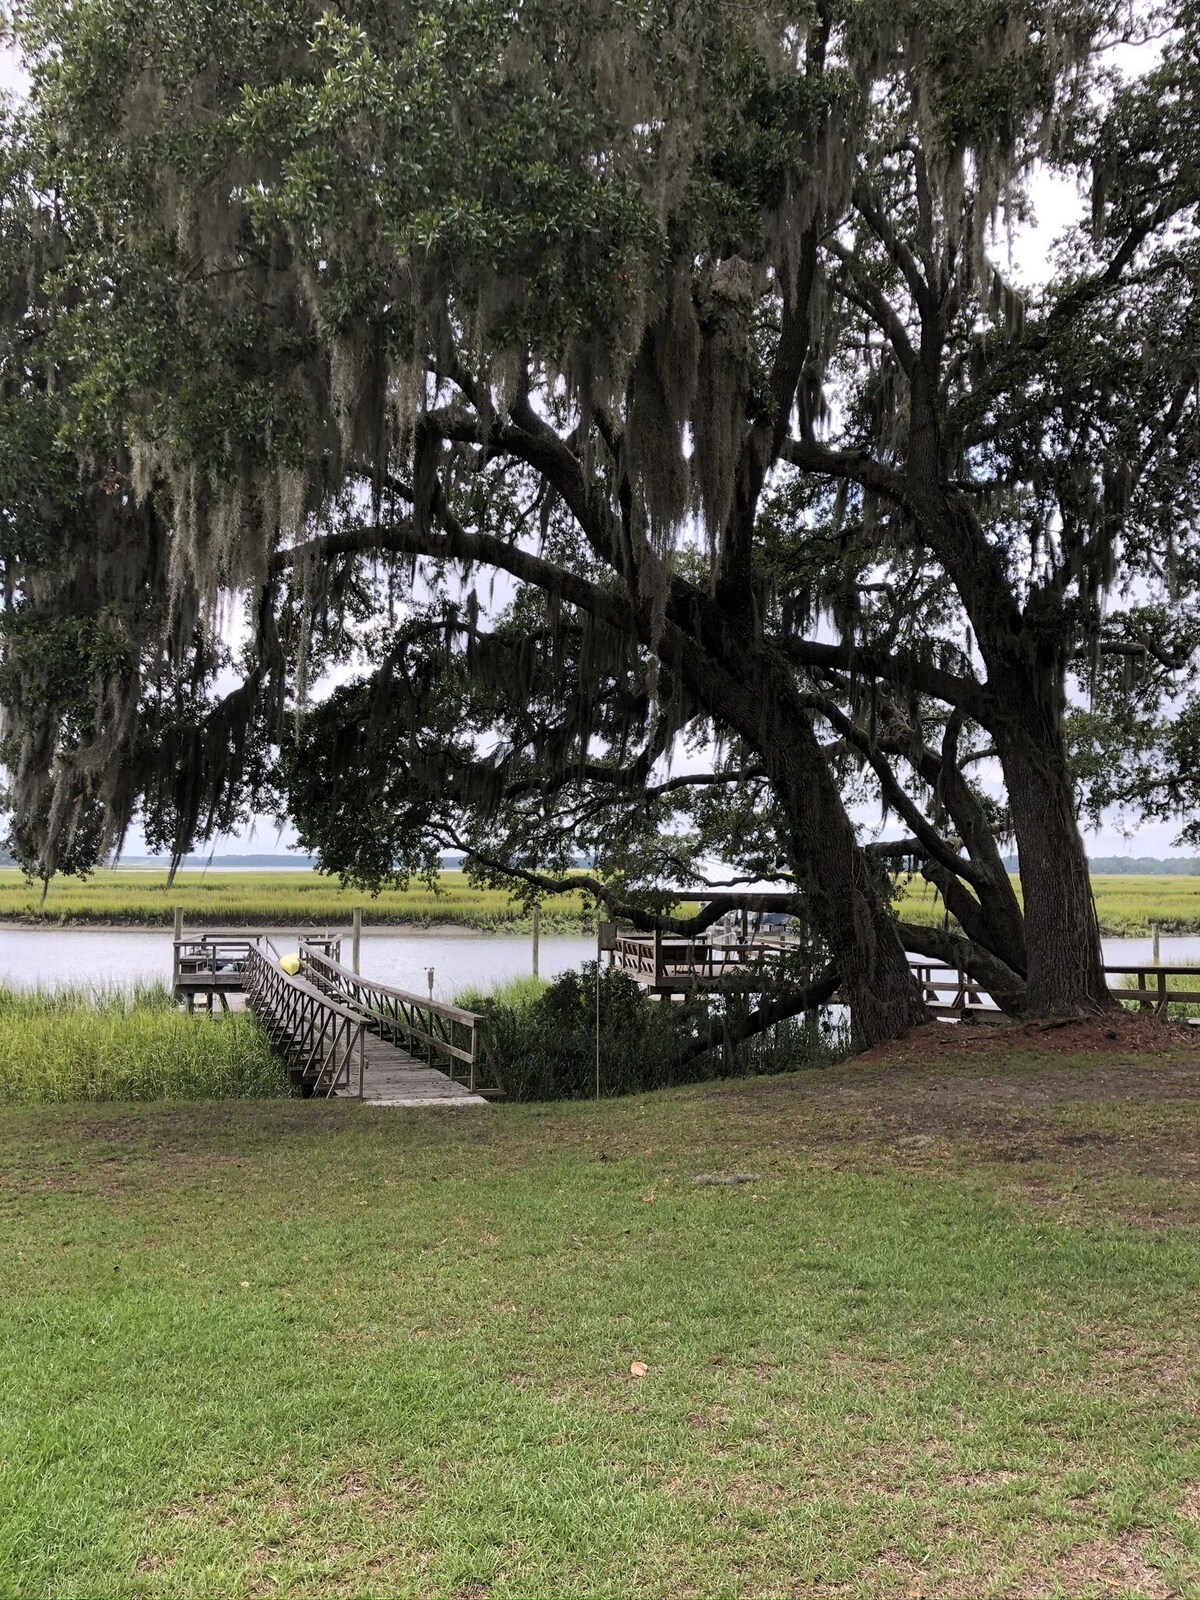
pixel 290 964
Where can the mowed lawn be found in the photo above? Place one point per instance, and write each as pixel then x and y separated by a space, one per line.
pixel 945 1343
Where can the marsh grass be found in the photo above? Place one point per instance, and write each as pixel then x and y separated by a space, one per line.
pixel 111 1044
pixel 1127 906
pixel 273 899
pixel 514 995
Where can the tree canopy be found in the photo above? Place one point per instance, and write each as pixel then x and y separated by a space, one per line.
pixel 629 411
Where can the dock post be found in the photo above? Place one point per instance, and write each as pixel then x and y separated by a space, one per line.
pixel 355 937
pixel 537 932
pixel 1154 930
pixel 175 953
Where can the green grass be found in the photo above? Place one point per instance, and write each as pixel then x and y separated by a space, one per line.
pixel 516 994
pixel 1127 906
pixel 322 1350
pixel 80 1045
pixel 227 899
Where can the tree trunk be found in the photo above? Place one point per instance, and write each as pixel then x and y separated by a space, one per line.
pixel 1064 958
pixel 1026 660
pixel 1006 987
pixel 748 689
pixel 847 909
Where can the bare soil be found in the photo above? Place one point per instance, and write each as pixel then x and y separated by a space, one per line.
pixel 1115 1100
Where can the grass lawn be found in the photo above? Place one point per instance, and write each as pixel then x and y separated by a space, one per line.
pixel 946 1343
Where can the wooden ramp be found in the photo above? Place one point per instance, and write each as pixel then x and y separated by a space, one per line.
pixel 341 1036
pixel 393 1077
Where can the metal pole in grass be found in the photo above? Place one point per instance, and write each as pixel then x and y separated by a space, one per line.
pixel 599 935
pixel 606 939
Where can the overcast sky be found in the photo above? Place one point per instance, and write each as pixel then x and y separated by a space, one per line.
pixel 1056 206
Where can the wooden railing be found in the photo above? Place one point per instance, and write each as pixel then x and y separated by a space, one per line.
pixel 321 1042
pixel 447 1037
pixel 1152 989
pixel 216 957
pixel 706 964
pixel 697 964
pixel 946 988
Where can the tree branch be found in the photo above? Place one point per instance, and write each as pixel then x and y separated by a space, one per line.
pixel 894 791
pixel 875 303
pixel 1006 987
pixel 724 1031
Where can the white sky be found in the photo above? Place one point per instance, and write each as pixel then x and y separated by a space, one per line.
pixel 1056 205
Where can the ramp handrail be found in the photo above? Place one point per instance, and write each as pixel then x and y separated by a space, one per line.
pixel 320 1040
pixel 448 1036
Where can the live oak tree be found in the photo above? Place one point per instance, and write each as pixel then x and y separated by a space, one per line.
pixel 1039 454
pixel 690 323
pixel 86 607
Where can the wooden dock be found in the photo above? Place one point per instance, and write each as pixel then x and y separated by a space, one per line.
pixel 668 967
pixel 395 1077
pixel 209 966
pixel 339 1035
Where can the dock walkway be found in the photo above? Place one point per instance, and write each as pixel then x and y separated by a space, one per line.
pixel 394 1077
pixel 338 1034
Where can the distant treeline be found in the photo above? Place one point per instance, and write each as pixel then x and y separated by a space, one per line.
pixel 296 862
pixel 1136 866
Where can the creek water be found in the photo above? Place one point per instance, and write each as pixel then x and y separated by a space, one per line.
pixel 48 958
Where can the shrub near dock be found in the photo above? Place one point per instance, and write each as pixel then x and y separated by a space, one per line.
pixel 544 1039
